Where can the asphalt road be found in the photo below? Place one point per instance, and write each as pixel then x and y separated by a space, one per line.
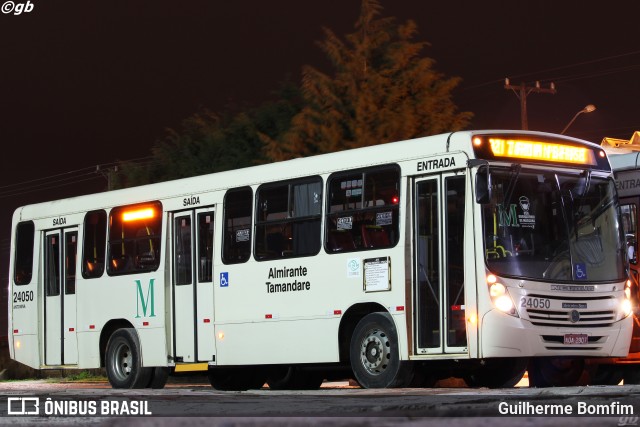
pixel 335 404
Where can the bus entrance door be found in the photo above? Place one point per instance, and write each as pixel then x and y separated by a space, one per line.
pixel 192 287
pixel 439 297
pixel 60 249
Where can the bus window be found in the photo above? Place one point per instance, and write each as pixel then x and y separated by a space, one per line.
pixel 629 215
pixel 134 238
pixel 182 245
pixel 288 219
pixel 23 264
pixel 363 210
pixel 205 246
pixel 95 239
pixel 71 250
pixel 236 238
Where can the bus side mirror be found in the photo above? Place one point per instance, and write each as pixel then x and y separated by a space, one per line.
pixel 483 185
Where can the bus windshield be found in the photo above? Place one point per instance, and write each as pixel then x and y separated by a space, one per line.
pixel 553 226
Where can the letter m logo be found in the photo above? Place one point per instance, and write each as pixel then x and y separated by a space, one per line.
pixel 145 300
pixel 508 218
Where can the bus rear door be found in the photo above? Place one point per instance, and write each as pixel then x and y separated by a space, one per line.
pixel 192 287
pixel 60 249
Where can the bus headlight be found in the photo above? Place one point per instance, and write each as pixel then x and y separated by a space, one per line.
pixel 626 306
pixel 500 296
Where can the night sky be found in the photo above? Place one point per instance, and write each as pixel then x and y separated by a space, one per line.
pixel 95 82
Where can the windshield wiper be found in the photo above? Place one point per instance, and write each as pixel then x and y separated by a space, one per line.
pixel 513 178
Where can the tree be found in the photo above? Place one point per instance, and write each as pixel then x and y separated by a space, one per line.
pixel 381 90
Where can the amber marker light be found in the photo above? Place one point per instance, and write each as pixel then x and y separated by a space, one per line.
pixel 138 214
pixel 220 335
pixel 477 142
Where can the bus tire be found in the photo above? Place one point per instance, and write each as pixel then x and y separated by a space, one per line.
pixel 606 375
pixel 555 371
pixel 159 377
pixel 124 362
pixel 632 374
pixel 375 356
pixel 294 378
pixel 497 373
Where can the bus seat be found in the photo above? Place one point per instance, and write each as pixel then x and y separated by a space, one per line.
pixel 341 240
pixel 374 236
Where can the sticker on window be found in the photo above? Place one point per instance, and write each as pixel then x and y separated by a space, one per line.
pixel 384 218
pixel 345 223
pixel 242 235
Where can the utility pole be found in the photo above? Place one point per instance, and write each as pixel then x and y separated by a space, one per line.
pixel 107 174
pixel 522 91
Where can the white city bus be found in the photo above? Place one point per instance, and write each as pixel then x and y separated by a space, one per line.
pixel 475 254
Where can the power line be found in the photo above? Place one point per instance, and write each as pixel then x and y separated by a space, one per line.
pixel 68 178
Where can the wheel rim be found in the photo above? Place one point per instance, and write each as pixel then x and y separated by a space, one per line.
pixel 122 361
pixel 375 351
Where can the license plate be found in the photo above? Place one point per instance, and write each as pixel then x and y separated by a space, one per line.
pixel 576 339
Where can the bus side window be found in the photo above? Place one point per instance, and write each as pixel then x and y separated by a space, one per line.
pixel 23 264
pixel 236 245
pixel 288 220
pixel 363 204
pixel 630 229
pixel 134 238
pixel 95 239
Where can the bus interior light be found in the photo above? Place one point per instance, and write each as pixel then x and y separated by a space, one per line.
pixel 145 213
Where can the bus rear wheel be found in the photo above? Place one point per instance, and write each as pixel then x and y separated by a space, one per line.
pixel 159 377
pixel 123 361
pixel 375 356
pixel 294 378
pixel 555 371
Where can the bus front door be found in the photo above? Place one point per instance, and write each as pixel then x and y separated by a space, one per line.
pixel 60 344
pixel 439 297
pixel 192 286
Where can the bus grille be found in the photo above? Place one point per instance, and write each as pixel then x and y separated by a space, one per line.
pixel 563 318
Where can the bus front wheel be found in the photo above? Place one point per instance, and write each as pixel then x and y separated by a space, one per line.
pixel 375 356
pixel 555 371
pixel 123 361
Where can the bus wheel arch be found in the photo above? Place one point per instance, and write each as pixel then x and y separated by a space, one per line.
pixel 348 323
pixel 107 330
pixel 375 354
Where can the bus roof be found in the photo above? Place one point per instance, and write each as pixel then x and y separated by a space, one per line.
pixel 392 152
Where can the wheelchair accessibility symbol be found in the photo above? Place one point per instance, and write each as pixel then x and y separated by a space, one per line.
pixel 580 272
pixel 224 279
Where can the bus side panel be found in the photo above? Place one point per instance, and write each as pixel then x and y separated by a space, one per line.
pixel 88 349
pixel 154 347
pixel 276 342
pixel 25 303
